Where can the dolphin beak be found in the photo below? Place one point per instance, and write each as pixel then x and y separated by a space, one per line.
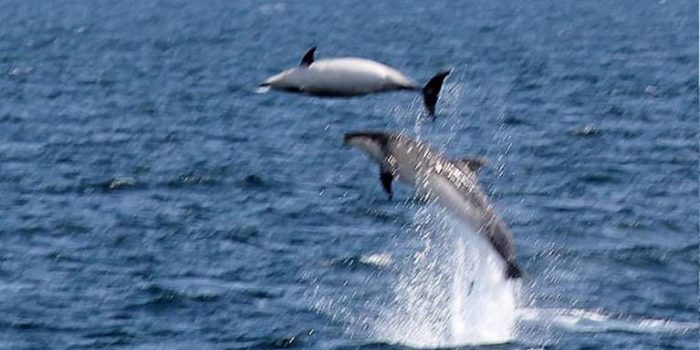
pixel 349 137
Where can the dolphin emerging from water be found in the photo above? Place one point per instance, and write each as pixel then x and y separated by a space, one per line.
pixel 350 76
pixel 451 183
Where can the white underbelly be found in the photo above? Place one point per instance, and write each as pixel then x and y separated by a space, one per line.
pixel 352 76
pixel 341 77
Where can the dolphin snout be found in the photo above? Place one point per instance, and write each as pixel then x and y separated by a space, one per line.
pixel 347 138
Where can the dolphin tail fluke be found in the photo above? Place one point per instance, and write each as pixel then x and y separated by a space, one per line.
pixel 513 271
pixel 431 91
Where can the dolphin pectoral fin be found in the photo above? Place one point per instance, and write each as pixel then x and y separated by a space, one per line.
pixel 471 164
pixel 308 57
pixel 386 177
pixel 513 271
pixel 431 91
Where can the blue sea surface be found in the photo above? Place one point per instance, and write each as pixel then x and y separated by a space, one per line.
pixel 152 197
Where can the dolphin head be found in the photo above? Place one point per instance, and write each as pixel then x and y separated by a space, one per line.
pixel 290 79
pixel 293 79
pixel 403 158
pixel 372 143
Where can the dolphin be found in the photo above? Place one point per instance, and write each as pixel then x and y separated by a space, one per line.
pixel 350 76
pixel 451 183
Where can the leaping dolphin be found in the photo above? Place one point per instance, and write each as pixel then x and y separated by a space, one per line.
pixel 451 183
pixel 350 76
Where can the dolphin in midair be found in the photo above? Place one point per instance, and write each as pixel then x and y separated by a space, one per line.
pixel 450 183
pixel 350 76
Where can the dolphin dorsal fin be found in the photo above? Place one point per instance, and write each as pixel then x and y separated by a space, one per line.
pixel 308 57
pixel 472 164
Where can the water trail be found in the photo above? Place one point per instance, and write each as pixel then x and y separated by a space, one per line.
pixel 451 292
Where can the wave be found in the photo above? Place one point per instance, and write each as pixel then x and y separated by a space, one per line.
pixel 587 321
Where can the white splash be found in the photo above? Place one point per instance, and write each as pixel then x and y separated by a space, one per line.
pixel 450 293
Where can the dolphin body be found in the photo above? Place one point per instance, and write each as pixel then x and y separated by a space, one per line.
pixel 350 76
pixel 452 183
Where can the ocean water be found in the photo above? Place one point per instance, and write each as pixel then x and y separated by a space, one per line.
pixel 151 197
